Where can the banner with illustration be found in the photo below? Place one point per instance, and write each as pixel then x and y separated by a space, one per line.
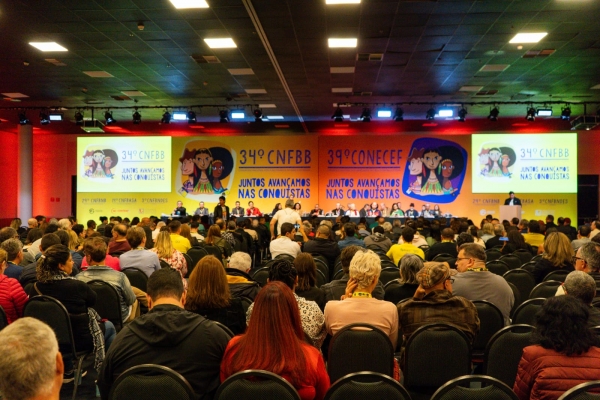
pixel 398 174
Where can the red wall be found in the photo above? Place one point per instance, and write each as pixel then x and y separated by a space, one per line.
pixel 8 173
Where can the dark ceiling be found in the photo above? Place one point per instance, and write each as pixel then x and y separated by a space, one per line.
pixel 430 51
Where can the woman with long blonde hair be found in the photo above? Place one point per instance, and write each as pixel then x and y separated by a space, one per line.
pixel 558 254
pixel 163 247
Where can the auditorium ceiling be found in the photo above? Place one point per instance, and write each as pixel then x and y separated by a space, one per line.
pixel 453 52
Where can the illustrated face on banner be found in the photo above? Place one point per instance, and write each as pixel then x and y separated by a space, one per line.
pixel 442 172
pixel 495 162
pixel 97 164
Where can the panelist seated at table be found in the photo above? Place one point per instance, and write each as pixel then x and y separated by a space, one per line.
pixel 180 210
pixel 338 210
pixel 411 212
pixel 512 200
pixel 316 211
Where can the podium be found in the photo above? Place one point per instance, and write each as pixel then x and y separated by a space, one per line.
pixel 510 212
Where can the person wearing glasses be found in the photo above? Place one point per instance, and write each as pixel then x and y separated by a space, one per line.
pixel 434 302
pixel 475 282
pixel 587 259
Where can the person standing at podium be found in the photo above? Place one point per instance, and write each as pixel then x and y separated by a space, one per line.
pixel 512 200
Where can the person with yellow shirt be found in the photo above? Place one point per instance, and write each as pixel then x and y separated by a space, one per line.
pixel 179 242
pixel 397 251
pixel 534 237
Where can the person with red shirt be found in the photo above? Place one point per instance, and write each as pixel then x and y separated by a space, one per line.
pixel 274 342
pixel 12 295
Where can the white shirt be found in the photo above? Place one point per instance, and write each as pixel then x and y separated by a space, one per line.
pixel 286 215
pixel 352 213
pixel 284 245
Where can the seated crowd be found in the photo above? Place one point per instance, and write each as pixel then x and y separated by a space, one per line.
pixel 322 277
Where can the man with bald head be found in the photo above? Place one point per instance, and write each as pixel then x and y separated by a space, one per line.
pixel 118 243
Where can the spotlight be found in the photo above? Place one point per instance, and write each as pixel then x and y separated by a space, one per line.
pixel 544 112
pixel 462 113
pixel 366 115
pixel 430 116
pixel 258 115
pixel 79 118
pixel 384 113
pixel 23 120
pixel 566 113
pixel 445 113
pixel 166 118
pixel 399 114
pixel 109 118
pixel 338 115
pixel 191 117
pixel 224 116
pixel 530 114
pixel 494 112
pixel 44 119
pixel 137 117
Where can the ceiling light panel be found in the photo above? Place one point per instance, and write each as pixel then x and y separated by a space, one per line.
pixel 133 93
pixel 48 46
pixel 341 70
pixel 533 37
pixel 241 71
pixel 470 88
pixel 341 90
pixel 98 74
pixel 220 43
pixel 189 3
pixel 342 1
pixel 494 67
pixel 14 95
pixel 595 87
pixel 341 42
pixel 256 91
pixel 267 106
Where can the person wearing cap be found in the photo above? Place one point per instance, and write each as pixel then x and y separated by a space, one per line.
pixel 512 200
pixel 434 302
pixel 475 282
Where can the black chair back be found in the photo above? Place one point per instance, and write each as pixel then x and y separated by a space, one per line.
pixel 3 319
pixel 443 257
pixel 151 382
pixel 497 267
pixel 246 301
pixel 338 275
pixel 537 257
pixel 523 280
pixel 518 299
pixel 581 392
pixel 545 289
pixel 323 267
pixel 189 263
pixel 504 351
pixel 558 275
pixel 321 280
pixel 225 329
pixel 388 264
pixel 108 302
pixel 525 313
pixel 346 356
pixel 529 266
pixel 366 385
pixel 164 264
pixel 491 321
pixel 214 250
pixel 524 255
pixel 444 343
pixel 492 254
pixel 196 254
pixel 389 274
pixel 116 254
pixel 256 385
pixel 512 261
pixel 261 275
pixel 461 389
pixel 137 278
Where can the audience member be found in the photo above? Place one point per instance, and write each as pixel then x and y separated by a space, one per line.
pixel 311 316
pixel 54 268
pixel 29 274
pixel 434 302
pixel 487 231
pixel 213 238
pixel 166 252
pixel 14 257
pixel 558 254
pixel 208 295
pixel 475 282
pixel 337 287
pixel 240 283
pixel 139 257
pixel 583 237
pixel 274 342
pixel 179 242
pixel 410 265
pixel 307 280
pixel 170 336
pixel 282 216
pixel 30 371
pixel 515 241
pixel 349 232
pixel 595 226
pixel 446 246
pixel 534 236
pixel 397 251
pixel 358 305
pixel 12 296
pixel 378 239
pixel 118 244
pixel 566 228
pixel 582 286
pixel 324 246
pixel 564 353
pixel 95 253
pixel 285 244
pixel 588 260
pixel 186 233
pixel 495 241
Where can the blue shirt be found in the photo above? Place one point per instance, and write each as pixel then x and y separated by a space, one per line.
pixel 143 259
pixel 13 271
pixel 350 241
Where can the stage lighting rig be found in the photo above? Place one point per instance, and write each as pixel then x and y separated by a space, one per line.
pixel 462 113
pixel 108 117
pixel 258 115
pixel 223 116
pixel 430 116
pixel 530 114
pixel 399 114
pixel 494 112
pixel 136 117
pixel 166 117
pixel 338 115
pixel 365 116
